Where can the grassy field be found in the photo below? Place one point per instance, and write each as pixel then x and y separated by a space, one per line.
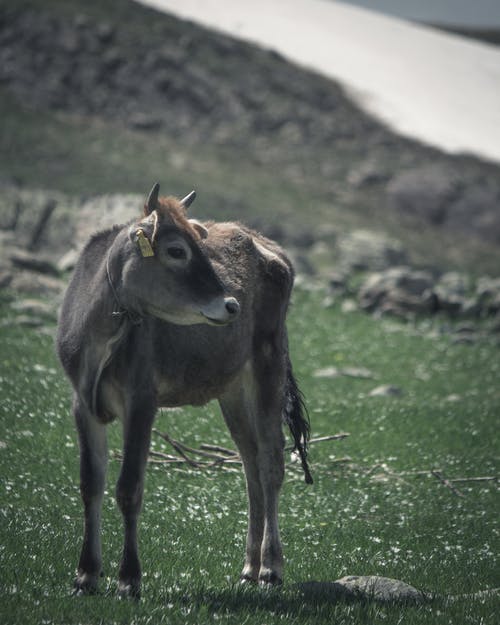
pixel 355 519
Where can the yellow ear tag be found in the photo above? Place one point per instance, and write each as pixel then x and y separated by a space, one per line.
pixel 144 244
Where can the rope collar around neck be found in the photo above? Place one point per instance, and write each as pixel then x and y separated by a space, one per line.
pixel 119 310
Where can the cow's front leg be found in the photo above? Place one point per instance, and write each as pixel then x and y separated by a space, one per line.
pixel 129 491
pixel 93 461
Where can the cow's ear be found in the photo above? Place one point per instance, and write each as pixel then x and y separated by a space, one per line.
pixel 199 227
pixel 152 201
pixel 140 235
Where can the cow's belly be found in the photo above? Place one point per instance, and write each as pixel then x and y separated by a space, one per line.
pixel 180 390
pixel 198 365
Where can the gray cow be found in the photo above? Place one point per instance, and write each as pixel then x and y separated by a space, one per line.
pixel 167 311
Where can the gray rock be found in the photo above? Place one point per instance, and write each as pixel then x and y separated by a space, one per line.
pixel 24 320
pixel 337 282
pixel 450 292
pixel 454 282
pixel 143 121
pixel 476 212
pixel 364 588
pixel 425 192
pixel 348 306
pixel 25 210
pixel 488 296
pixel 327 372
pixel 367 250
pixel 5 278
pixel 32 283
pixel 350 372
pixel 33 262
pixel 398 290
pixel 366 174
pixel 487 287
pixel 464 340
pixel 104 211
pixel 386 390
pixel 67 262
pixel 379 588
pixel 34 307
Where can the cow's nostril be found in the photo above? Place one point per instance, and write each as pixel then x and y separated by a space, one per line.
pixel 232 306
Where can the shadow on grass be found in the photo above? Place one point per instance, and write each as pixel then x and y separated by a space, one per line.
pixel 306 599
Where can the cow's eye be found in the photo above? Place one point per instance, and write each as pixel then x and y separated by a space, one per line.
pixel 177 252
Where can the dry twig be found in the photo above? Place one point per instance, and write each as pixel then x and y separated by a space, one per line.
pixel 437 474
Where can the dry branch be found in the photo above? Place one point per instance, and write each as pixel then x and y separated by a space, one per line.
pixel 218 448
pixel 446 482
pixel 434 473
pixel 323 439
pixel 208 455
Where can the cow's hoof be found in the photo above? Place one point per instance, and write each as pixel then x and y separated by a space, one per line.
pixel 129 589
pixel 269 578
pixel 246 579
pixel 85 584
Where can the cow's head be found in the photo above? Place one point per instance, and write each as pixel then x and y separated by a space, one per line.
pixel 165 272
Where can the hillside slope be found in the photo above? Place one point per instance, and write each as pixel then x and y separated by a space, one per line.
pixel 108 96
pixel 440 89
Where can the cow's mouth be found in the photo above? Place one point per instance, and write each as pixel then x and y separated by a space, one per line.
pixel 221 312
pixel 217 322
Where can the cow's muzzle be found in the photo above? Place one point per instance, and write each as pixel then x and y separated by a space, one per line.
pixel 221 312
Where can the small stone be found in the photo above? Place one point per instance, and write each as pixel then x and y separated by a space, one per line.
pixel 382 589
pixel 37 284
pixel 328 302
pixel 358 372
pixel 5 278
pixel 327 372
pixel 24 320
pixel 348 306
pixel 350 372
pixel 33 262
pixel 464 339
pixel 34 307
pixel 67 262
pixel 386 390
pixel 142 121
pixel 365 588
pixel 367 250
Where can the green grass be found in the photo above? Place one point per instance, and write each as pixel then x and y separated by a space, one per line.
pixel 193 523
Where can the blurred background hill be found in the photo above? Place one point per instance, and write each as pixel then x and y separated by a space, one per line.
pixel 106 97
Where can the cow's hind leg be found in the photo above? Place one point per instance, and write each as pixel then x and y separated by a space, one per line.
pixel 237 408
pixel 271 467
pixel 129 492
pixel 254 418
pixel 93 461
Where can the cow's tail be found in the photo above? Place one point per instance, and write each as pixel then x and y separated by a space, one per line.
pixel 297 419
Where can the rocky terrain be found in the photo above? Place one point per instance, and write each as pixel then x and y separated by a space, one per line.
pixel 42 233
pixel 205 88
pixel 201 88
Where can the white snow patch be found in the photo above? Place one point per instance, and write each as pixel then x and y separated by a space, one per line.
pixel 439 88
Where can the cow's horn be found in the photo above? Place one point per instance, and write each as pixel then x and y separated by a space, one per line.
pixel 189 199
pixel 152 199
